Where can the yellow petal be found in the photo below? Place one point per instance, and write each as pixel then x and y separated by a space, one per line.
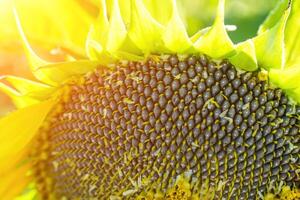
pixel 13 183
pixel 125 8
pixel 216 42
pixel 203 31
pixel 282 27
pixel 57 73
pixel 93 48
pixel 35 62
pixel 18 99
pixel 17 131
pixel 55 23
pixel 53 73
pixel 29 193
pixel 117 30
pixel 29 88
pixel 97 35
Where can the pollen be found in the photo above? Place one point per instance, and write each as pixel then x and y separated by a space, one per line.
pixel 170 128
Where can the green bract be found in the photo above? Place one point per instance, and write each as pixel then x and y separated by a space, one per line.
pixel 137 29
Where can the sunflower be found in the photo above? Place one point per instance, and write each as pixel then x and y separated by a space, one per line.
pixel 155 113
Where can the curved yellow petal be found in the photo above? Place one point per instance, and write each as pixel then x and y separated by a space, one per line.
pixel 216 42
pixel 93 47
pixel 117 31
pixel 29 88
pixel 57 73
pixel 17 130
pixel 53 73
pixel 13 183
pixel 18 99
pixel 34 60
pixel 125 8
pixel 97 35
pixel 55 23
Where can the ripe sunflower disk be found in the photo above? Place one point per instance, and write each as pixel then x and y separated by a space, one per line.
pixel 153 113
pixel 137 129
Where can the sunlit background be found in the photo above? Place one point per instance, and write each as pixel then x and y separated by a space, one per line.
pixel 245 14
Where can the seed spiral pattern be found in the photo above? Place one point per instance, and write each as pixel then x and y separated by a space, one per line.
pixel 135 129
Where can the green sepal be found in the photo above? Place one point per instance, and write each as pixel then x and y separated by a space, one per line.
pixel 292 35
pixel 175 36
pixel 287 77
pixel 274 16
pixel 245 57
pixel 201 32
pixel 269 45
pixel 216 42
pixel 288 80
pixel 160 10
pixel 144 30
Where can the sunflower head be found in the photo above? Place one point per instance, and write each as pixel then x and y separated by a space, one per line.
pixel 155 113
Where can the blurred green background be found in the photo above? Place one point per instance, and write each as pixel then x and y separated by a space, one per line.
pixel 247 15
